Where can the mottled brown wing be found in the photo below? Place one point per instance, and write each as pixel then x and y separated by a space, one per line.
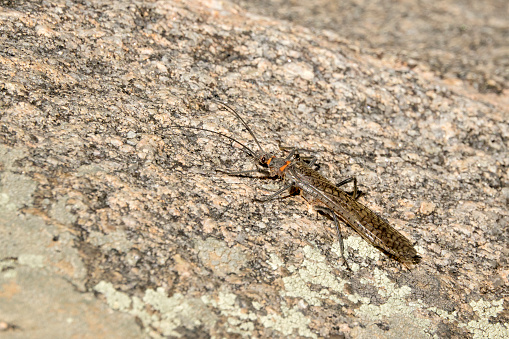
pixel 369 225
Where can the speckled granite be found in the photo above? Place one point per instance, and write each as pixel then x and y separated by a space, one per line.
pixel 115 225
pixel 457 39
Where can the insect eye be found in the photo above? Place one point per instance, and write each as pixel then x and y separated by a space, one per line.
pixel 265 160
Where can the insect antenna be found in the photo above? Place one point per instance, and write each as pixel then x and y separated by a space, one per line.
pixel 244 147
pixel 231 110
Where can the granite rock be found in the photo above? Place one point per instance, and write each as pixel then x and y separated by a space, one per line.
pixel 116 224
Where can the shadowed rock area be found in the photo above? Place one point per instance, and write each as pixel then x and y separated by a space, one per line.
pixel 457 39
pixel 114 224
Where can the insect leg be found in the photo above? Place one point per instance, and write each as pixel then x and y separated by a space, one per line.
pixel 295 152
pixel 356 193
pixel 274 195
pixel 311 161
pixel 242 173
pixel 284 148
pixel 330 213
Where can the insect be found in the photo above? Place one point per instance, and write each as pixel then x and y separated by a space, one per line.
pixel 300 177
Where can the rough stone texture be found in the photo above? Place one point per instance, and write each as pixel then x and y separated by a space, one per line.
pixel 464 39
pixel 113 224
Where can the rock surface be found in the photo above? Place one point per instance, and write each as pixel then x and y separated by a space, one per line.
pixel 463 39
pixel 114 224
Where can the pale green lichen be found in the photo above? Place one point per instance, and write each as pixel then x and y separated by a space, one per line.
pixel 363 248
pixel 257 305
pixel 485 309
pixel 291 320
pixel 31 260
pixel 395 310
pixel 386 287
pixel 226 301
pixel 177 311
pixel 274 262
pixel 172 312
pixel 139 311
pixel 291 268
pixel 241 322
pixel 117 300
pixel 444 314
pixel 483 328
pixel 222 259
pixel 314 270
